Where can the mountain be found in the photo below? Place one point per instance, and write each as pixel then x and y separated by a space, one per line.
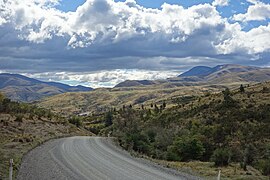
pixel 21 88
pixel 197 71
pixel 203 71
pixel 227 73
pixel 203 75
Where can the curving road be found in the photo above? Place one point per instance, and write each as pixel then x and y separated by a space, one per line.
pixel 89 158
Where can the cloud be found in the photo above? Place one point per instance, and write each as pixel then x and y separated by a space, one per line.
pixel 220 3
pixel 253 42
pixel 106 21
pixel 253 1
pixel 257 12
pixel 103 78
pixel 107 35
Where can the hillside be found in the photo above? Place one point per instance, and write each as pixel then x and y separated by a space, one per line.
pixel 22 88
pixel 23 127
pixel 101 100
pixel 227 130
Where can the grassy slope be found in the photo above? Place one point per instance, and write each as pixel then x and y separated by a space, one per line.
pixel 17 138
pixel 178 117
pixel 103 99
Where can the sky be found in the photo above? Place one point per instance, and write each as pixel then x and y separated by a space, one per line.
pixel 100 43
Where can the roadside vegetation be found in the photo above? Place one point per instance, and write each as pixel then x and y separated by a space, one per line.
pixel 23 127
pixel 227 130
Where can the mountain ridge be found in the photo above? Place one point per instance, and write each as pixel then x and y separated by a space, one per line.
pixel 224 73
pixel 204 71
pixel 22 88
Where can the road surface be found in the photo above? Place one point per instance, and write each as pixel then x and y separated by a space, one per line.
pixel 93 158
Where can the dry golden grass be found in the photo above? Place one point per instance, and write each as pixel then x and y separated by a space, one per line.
pixel 101 100
pixel 209 171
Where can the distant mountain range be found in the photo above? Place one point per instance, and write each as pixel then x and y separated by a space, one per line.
pixel 196 82
pixel 227 73
pixel 21 88
pixel 221 74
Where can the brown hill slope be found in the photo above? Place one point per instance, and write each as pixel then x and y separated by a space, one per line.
pixel 228 130
pixel 23 127
pixel 101 100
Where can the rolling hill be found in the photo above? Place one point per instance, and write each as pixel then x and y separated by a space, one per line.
pixel 21 88
pixel 102 99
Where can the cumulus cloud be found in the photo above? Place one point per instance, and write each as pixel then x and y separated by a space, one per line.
pixel 106 21
pixel 103 78
pixel 257 12
pixel 253 42
pixel 103 22
pixel 220 3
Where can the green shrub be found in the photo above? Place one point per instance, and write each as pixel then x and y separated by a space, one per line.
pixel 19 118
pixel 96 128
pixel 264 166
pixel 108 119
pixel 76 121
pixel 221 157
pixel 185 148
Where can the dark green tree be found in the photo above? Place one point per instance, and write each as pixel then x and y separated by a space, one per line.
pixel 164 104
pixel 242 89
pixel 108 119
pixel 75 120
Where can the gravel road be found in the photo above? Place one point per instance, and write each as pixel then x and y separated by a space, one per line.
pixel 90 158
